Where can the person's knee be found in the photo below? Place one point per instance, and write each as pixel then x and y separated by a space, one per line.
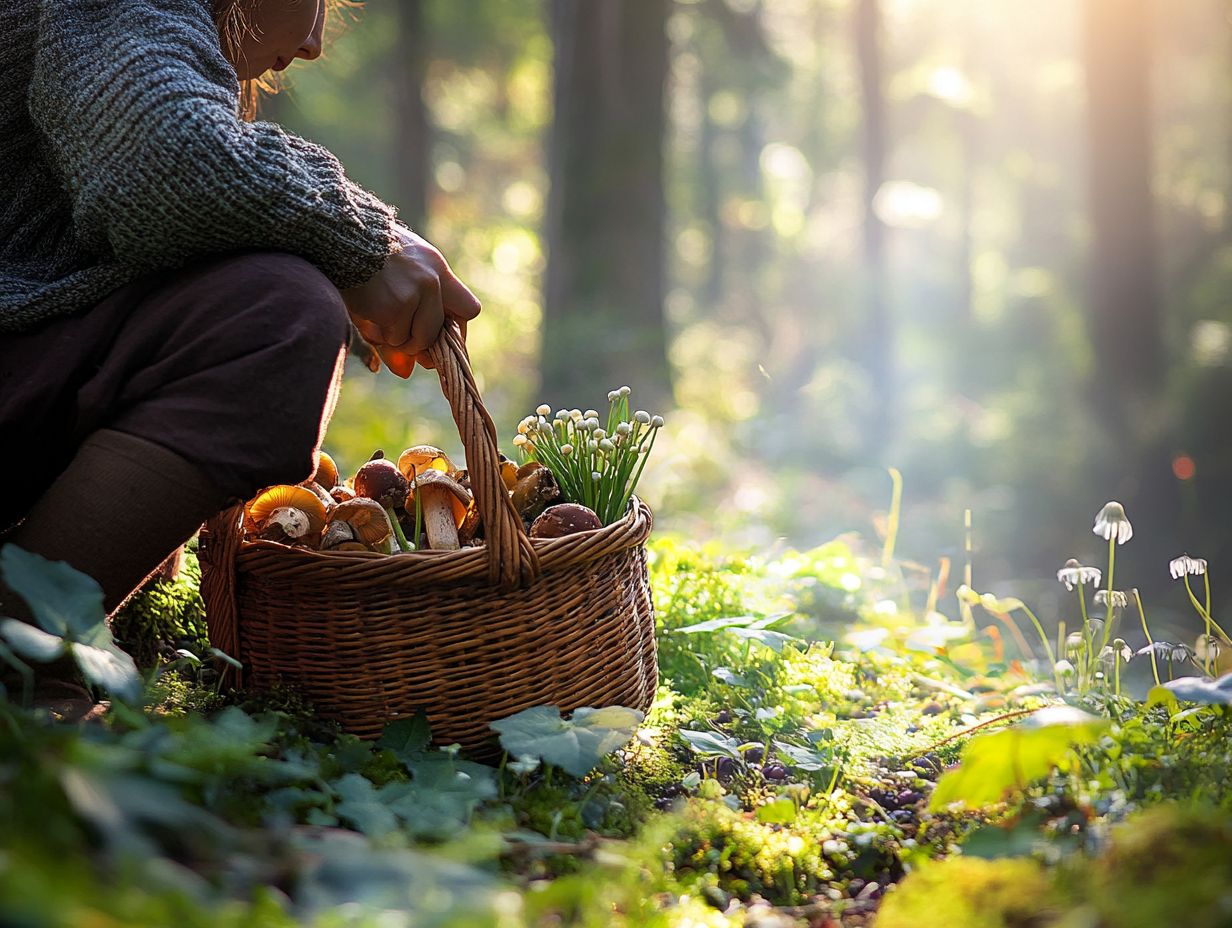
pixel 249 371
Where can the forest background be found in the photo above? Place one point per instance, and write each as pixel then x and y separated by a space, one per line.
pixel 984 243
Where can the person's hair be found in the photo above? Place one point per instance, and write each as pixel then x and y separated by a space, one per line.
pixel 233 26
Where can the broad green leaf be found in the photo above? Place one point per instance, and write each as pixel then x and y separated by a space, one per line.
pixel 441 796
pixel 407 738
pixel 714 625
pixel 361 806
pixel 1197 689
pixel 778 812
pixel 775 641
pixel 1162 696
pixel 994 764
pixel 31 642
pixel 109 668
pixel 1019 839
pixel 575 745
pixel 711 744
pixel 730 677
pixel 64 601
pixel 803 758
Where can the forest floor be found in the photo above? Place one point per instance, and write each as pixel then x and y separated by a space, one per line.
pixel 826 749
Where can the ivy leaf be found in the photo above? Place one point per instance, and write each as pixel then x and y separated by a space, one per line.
pixel 994 764
pixel 711 744
pixel 730 677
pixel 574 745
pixel 109 668
pixel 408 738
pixel 31 642
pixel 64 601
pixel 775 641
pixel 361 806
pixel 442 795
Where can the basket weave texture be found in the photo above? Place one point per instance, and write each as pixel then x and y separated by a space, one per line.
pixel 467 636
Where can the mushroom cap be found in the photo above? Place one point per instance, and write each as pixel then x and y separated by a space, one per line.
pixel 526 469
pixel 433 481
pixel 327 472
pixel 422 458
pixel 341 493
pixel 564 519
pixel 261 507
pixel 534 492
pixel 366 517
pixel 509 473
pixel 336 533
pixel 380 479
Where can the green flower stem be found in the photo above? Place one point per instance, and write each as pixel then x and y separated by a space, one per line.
pixel 1052 658
pixel 1150 643
pixel 1111 569
pixel 1204 613
pixel 1091 658
pixel 393 521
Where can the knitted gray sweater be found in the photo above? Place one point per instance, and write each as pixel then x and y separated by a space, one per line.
pixel 121 152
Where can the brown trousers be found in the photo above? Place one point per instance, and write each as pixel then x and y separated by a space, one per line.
pixel 233 364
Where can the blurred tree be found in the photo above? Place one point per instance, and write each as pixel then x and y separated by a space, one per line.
pixel 875 350
pixel 1125 318
pixel 412 135
pixel 603 311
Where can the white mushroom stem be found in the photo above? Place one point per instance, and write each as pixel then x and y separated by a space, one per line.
pixel 293 522
pixel 438 518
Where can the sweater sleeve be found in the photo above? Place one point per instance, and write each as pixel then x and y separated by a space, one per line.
pixel 139 112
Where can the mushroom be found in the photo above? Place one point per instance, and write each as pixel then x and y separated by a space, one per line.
pixel 443 504
pixel 509 472
pixel 422 458
pixel 564 519
pixel 287 514
pixel 341 493
pixel 380 479
pixel 326 474
pixel 337 533
pixel 535 490
pixel 367 520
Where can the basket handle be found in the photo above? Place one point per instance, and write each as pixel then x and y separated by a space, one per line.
pixel 512 561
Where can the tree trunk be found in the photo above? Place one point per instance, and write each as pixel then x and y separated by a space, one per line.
pixel 603 315
pixel 1127 335
pixel 876 338
pixel 412 135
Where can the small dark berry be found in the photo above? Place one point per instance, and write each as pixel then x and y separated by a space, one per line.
pixel 902 816
pixel 774 771
pixel 723 717
pixel 754 754
pixel 725 767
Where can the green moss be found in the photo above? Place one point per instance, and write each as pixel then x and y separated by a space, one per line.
pixel 965 892
pixel 1170 865
pixel 163 616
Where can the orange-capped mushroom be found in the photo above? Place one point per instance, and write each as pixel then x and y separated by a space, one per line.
pixel 422 458
pixel 327 472
pixel 278 510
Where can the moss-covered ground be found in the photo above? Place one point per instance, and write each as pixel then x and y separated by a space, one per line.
pixel 809 702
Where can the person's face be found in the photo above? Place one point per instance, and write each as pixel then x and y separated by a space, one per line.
pixel 280 31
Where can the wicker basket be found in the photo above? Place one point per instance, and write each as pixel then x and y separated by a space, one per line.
pixel 468 636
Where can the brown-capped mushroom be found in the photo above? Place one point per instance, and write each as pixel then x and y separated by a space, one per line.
pixel 422 458
pixel 288 514
pixel 508 472
pixel 337 533
pixel 535 490
pixel 443 504
pixel 326 473
pixel 341 493
pixel 526 469
pixel 367 519
pixel 380 479
pixel 564 519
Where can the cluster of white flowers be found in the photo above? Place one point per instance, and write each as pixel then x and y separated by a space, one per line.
pixel 597 463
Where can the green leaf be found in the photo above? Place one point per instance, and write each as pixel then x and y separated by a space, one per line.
pixel 730 677
pixel 778 812
pixel 361 806
pixel 442 795
pixel 775 641
pixel 711 744
pixel 803 758
pixel 1017 840
pixel 109 668
pixel 64 601
pixel 31 642
pixel 407 738
pixel 1196 689
pixel 994 764
pixel 575 745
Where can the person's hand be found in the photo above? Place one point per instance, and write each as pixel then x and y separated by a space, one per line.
pixel 401 310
